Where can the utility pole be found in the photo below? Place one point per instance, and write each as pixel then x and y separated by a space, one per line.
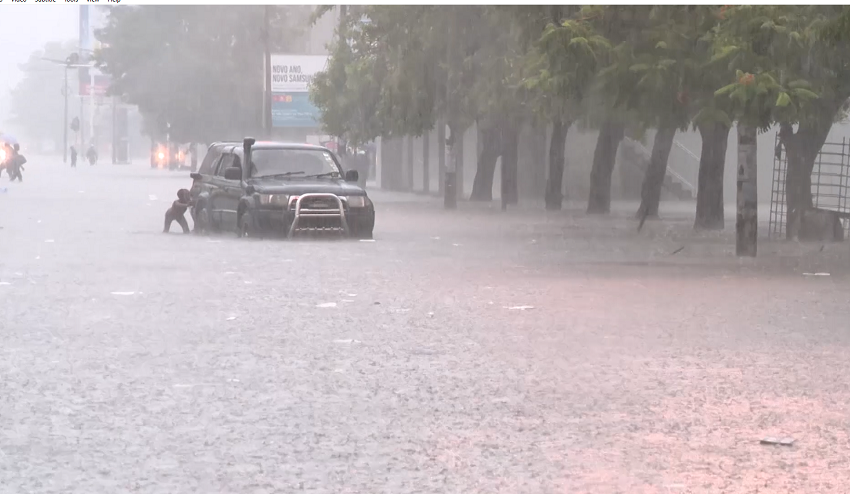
pixel 91 105
pixel 65 118
pixel 71 61
pixel 85 53
pixel 114 134
pixel 267 71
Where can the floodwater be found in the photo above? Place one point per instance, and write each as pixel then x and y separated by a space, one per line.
pixel 467 351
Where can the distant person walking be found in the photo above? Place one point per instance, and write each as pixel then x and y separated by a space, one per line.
pixel 73 157
pixel 91 154
pixel 16 164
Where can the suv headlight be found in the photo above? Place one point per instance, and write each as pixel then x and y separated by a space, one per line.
pixel 357 201
pixel 274 200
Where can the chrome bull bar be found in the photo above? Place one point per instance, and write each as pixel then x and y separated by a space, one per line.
pixel 301 212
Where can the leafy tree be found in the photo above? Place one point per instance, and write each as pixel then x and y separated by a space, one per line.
pixel 198 69
pixel 349 93
pixel 427 74
pixel 752 40
pixel 499 102
pixel 623 26
pixel 562 68
pixel 37 102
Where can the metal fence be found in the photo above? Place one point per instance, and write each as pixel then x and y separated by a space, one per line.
pixel 830 184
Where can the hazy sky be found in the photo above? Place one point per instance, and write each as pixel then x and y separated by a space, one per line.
pixel 24 29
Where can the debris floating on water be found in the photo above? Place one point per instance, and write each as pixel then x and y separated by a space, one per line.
pixel 346 341
pixel 152 197
pixel 520 307
pixel 123 293
pixel 326 305
pixel 815 274
pixel 786 441
pixel 367 240
pixel 230 318
pixel 4 283
pixel 49 241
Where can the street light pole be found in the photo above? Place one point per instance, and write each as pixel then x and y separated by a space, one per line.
pixel 65 124
pixel 267 70
pixel 71 61
pixel 91 105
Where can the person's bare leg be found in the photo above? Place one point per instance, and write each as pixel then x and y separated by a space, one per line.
pixel 182 221
pixel 168 220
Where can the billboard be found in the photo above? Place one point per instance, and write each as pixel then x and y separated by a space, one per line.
pixel 289 81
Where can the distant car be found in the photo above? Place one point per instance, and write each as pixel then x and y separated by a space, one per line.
pixel 281 188
pixel 173 159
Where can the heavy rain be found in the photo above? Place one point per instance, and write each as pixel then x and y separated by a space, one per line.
pixel 444 249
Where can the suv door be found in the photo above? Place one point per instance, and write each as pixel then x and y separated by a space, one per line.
pixel 234 192
pixel 204 177
pixel 222 196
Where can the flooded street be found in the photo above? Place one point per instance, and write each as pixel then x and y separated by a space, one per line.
pixel 459 352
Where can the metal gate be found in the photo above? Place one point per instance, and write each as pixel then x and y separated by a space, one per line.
pixel 830 184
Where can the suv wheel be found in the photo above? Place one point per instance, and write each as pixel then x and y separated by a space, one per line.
pixel 362 234
pixel 246 226
pixel 203 223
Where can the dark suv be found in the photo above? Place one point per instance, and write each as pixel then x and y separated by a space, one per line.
pixel 262 188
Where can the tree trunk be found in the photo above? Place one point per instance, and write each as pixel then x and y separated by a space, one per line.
pixel 554 197
pixel 410 165
pixel 801 148
pixel 426 162
pixel 441 156
pixel 604 158
pixel 712 162
pixel 482 185
pixel 510 157
pixel 746 222
pixel 454 163
pixel 459 164
pixel 653 178
pixel 539 137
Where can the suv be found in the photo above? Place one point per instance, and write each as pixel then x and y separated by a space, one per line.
pixel 269 187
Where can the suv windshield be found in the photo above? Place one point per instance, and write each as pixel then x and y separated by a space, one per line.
pixel 295 162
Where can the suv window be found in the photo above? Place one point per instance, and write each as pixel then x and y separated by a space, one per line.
pixel 207 167
pixel 225 163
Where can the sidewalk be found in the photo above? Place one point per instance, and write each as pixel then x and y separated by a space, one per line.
pixel 571 237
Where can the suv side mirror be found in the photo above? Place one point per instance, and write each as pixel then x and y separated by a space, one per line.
pixel 195 176
pixel 352 176
pixel 233 173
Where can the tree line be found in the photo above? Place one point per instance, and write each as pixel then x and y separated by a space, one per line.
pixel 196 72
pixel 404 70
